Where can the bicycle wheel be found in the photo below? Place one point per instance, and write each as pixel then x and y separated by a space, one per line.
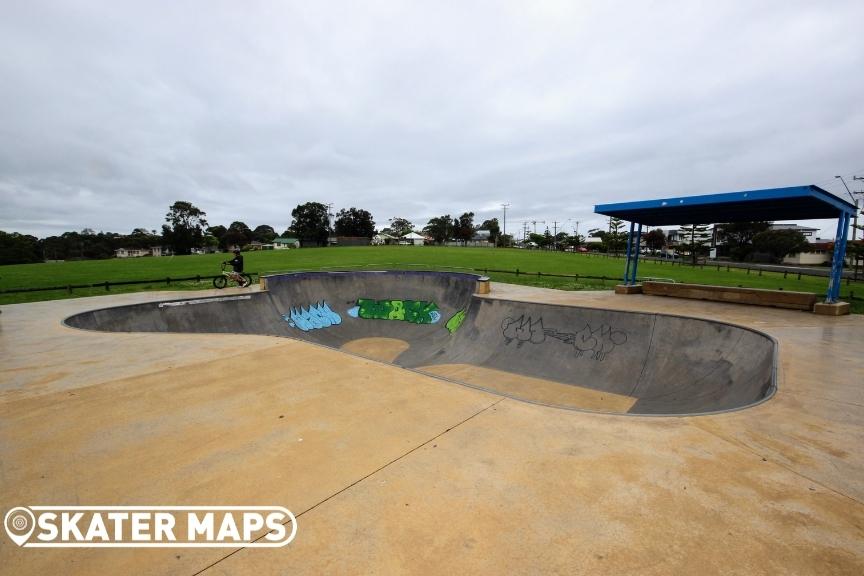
pixel 220 282
pixel 247 279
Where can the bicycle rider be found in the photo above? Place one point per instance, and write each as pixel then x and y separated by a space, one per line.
pixel 237 264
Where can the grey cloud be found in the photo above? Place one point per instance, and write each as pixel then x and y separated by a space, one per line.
pixel 111 111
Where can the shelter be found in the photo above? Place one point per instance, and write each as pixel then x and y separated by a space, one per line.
pixel 792 203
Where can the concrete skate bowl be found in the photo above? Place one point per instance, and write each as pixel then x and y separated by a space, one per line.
pixel 579 358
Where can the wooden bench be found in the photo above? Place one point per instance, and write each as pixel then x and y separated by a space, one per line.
pixel 757 296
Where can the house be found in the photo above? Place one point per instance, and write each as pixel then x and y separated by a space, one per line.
pixel 480 239
pixel 381 238
pixel 806 231
pixel 285 243
pixel 593 243
pixel 140 252
pixel 819 253
pixel 412 238
pixel 131 253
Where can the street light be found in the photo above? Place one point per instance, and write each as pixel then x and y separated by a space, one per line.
pixel 504 206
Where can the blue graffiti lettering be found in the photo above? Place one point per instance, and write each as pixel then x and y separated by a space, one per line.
pixel 315 317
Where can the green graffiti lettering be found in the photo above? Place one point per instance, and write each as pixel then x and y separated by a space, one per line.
pixel 455 322
pixel 415 311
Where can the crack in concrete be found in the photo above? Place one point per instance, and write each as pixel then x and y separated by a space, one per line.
pixel 361 479
pixel 744 446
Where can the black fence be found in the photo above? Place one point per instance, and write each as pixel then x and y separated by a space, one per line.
pixel 517 272
pixel 108 284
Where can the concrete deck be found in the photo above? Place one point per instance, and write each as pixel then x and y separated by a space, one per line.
pixel 392 471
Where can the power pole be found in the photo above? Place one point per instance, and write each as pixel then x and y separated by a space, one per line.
pixel 855 226
pixel 854 201
pixel 535 224
pixel 329 224
pixel 504 206
pixel 555 235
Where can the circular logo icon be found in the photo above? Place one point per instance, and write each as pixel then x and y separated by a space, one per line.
pixel 19 523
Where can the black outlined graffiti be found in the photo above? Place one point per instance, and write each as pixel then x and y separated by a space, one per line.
pixel 523 330
pixel 599 341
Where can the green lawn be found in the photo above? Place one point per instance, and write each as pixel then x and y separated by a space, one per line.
pixel 385 257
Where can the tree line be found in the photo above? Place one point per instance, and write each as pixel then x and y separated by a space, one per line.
pixel 186 230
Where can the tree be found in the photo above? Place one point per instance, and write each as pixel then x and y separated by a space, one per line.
pixel 399 227
pixel 463 227
pixel 541 240
pixel 574 241
pixel 655 239
pixel 440 228
pixel 855 251
pixel 217 231
pixel 140 239
pixel 185 228
pixel 737 237
pixel 780 243
pixel 355 222
pixel 211 242
pixel 493 228
pixel 311 223
pixel 560 240
pixel 18 248
pixel 695 238
pixel 264 234
pixel 616 238
pixel 235 236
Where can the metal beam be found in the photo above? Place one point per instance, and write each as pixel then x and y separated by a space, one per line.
pixel 636 256
pixel 837 260
pixel 629 244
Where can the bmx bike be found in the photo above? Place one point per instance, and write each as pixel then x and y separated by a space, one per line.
pixel 229 276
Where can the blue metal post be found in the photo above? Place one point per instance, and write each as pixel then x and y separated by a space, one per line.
pixel 837 261
pixel 627 267
pixel 842 257
pixel 636 255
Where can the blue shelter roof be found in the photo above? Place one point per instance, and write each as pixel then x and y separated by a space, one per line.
pixel 793 203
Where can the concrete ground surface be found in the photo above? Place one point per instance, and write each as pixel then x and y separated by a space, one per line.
pixel 393 471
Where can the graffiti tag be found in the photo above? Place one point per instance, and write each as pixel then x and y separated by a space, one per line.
pixel 455 321
pixel 415 311
pixel 313 318
pixel 598 340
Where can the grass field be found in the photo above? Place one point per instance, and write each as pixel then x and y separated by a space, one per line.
pixel 386 257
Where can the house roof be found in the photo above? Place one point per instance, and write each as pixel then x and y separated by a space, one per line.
pixel 792 203
pixel 413 236
pixel 285 240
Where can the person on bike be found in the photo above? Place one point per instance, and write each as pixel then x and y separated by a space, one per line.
pixel 237 264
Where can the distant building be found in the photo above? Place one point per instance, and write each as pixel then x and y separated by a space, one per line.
pixel 481 239
pixel 285 243
pixel 141 252
pixel 805 230
pixel 412 238
pixel 381 238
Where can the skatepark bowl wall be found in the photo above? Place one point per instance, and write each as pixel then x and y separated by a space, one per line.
pixel 433 322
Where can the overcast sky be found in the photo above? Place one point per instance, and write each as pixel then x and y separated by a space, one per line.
pixel 111 111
